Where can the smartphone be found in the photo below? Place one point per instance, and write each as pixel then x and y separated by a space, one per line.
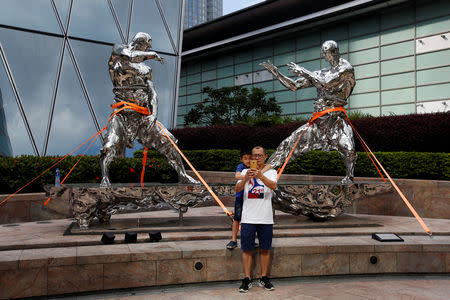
pixel 253 164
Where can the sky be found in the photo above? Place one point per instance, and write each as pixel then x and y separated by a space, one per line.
pixel 230 6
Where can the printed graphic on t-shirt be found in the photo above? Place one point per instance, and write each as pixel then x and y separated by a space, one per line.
pixel 255 190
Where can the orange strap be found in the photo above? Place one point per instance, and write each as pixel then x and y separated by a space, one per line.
pixel 144 162
pixel 317 115
pixel 128 105
pixel 280 171
pixel 196 173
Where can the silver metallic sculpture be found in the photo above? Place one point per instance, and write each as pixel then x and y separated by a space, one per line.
pixel 330 131
pixel 132 81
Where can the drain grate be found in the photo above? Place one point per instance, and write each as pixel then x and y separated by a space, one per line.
pixel 44 222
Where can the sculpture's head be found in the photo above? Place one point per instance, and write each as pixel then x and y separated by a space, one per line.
pixel 141 41
pixel 330 51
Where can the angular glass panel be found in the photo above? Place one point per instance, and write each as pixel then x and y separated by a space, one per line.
pixel 225 61
pixel 397 16
pixel 433 26
pixel 397 34
pixel 335 32
pixel 285 96
pixel 396 50
pixel 283 59
pixel 397 81
pixel 431 9
pixel 33 59
pixel 312 39
pixel 62 6
pixel 36 15
pixel 146 18
pixel 433 75
pixel 308 93
pixel 243 68
pixel 122 9
pixel 181 101
pixel 369 70
pixel 225 82
pixel 93 20
pixel 284 46
pixel 5 143
pixel 209 75
pixel 193 89
pixel 363 42
pixel 266 85
pixel 364 56
pixel 367 85
pixel 308 53
pixel 397 96
pixel 305 106
pixel 172 12
pixel 433 59
pixel 363 26
pixel 193 67
pixel 225 72
pixel 433 92
pixel 398 109
pixel 92 60
pixel 13 123
pixel 373 111
pixel 242 56
pixel 262 51
pixel 211 84
pixel 164 80
pixel 363 100
pixel 288 108
pixel 72 123
pixel 193 78
pixel 397 65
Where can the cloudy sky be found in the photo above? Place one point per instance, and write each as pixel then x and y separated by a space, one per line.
pixel 232 5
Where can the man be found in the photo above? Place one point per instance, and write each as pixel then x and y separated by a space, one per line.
pixel 133 88
pixel 328 129
pixel 257 217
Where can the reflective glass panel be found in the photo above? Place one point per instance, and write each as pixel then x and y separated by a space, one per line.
pixel 18 136
pixel 36 15
pixel 5 144
pixel 93 20
pixel 63 10
pixel 72 122
pixel 122 8
pixel 92 59
pixel 146 18
pixel 164 80
pixel 33 59
pixel 172 12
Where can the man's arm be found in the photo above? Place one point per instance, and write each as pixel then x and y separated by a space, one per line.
pixel 238 176
pixel 241 183
pixel 286 81
pixel 271 184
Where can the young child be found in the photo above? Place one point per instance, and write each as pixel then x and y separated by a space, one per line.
pixel 245 164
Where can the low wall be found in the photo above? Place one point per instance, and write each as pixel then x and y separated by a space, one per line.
pixel 431 199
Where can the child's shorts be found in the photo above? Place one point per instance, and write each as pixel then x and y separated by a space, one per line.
pixel 238 207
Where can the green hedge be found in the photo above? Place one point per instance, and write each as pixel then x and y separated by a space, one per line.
pixel 15 172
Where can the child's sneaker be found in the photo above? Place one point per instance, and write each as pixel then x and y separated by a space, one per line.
pixel 264 282
pixel 231 245
pixel 246 285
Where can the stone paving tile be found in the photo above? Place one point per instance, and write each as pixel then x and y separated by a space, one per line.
pixel 9 260
pixel 34 258
pixel 103 254
pixel 208 248
pixel 154 251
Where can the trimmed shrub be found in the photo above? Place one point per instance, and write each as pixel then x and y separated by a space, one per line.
pixel 16 172
pixel 419 132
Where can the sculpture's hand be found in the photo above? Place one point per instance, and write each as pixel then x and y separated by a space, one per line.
pixel 159 58
pixel 270 67
pixel 296 69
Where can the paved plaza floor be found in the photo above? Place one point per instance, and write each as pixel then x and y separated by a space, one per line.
pixel 396 287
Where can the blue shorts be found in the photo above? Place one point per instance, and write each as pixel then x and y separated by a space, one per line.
pixel 238 207
pixel 265 234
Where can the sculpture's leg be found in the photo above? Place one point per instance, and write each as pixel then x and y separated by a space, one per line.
pixel 282 152
pixel 155 138
pixel 346 147
pixel 113 146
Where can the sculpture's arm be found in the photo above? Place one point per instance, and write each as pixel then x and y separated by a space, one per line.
pixel 313 77
pixel 153 103
pixel 136 55
pixel 286 81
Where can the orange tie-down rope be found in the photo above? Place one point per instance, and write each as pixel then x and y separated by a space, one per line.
pixel 196 173
pixel 124 104
pixel 369 153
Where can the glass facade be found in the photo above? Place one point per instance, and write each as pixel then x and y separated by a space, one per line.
pixel 55 87
pixel 400 55
pixel 200 11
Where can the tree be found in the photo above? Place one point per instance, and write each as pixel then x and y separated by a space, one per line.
pixel 233 105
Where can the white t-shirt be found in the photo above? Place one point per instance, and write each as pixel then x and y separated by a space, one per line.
pixel 257 208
